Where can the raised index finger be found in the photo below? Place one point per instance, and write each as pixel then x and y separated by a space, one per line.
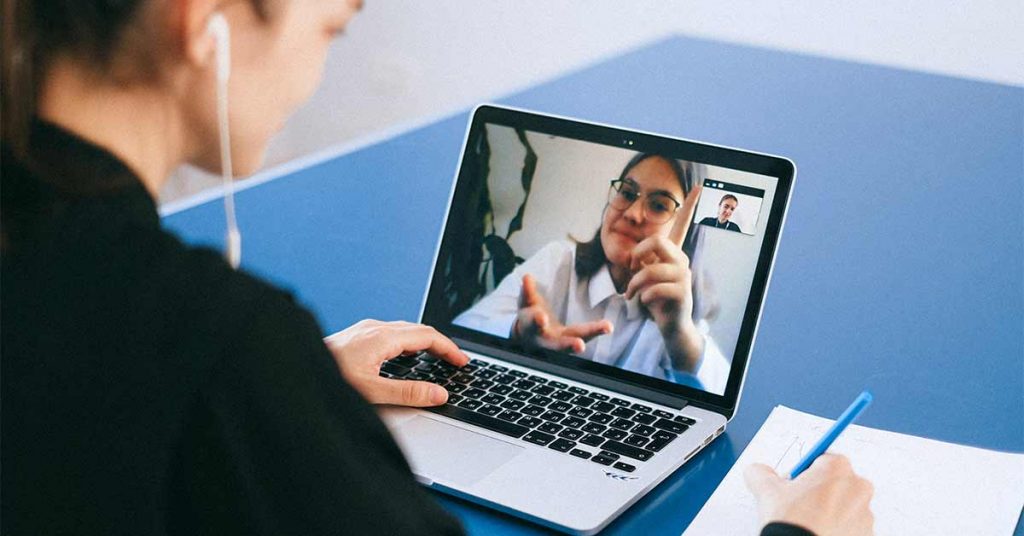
pixel 685 214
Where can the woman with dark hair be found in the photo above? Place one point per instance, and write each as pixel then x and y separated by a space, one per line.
pixel 149 388
pixel 626 297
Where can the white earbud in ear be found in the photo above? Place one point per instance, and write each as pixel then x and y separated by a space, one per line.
pixel 218 29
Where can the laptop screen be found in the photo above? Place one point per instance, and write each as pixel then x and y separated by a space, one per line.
pixel 625 255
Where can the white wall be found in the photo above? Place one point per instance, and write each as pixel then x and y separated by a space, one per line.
pixel 402 63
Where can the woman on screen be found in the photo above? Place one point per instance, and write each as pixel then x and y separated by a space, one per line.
pixel 626 297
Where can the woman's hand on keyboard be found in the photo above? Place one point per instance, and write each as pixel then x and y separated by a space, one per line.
pixel 361 349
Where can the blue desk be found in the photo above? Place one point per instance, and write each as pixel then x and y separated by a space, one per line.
pixel 901 268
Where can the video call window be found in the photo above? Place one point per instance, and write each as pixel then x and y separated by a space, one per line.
pixel 730 207
pixel 551 228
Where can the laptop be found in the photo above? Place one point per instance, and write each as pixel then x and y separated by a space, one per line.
pixel 607 284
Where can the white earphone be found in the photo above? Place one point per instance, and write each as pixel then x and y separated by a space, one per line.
pixel 218 29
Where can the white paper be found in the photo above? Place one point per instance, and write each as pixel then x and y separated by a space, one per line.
pixel 922 486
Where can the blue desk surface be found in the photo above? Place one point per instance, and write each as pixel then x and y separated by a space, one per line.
pixel 901 268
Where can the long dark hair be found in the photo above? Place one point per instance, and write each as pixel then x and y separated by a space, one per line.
pixel 37 32
pixel 590 255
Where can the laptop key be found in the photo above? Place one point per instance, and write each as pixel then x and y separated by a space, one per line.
pixel 463 378
pixel 656 445
pixel 601 418
pixel 407 361
pixel 468 368
pixel 612 433
pixel 383 374
pixel 670 426
pixel 479 363
pixel 454 398
pixel 492 398
pixel 665 436
pixel 599 396
pixel 418 376
pixel 543 390
pixel 560 407
pixel 518 373
pixel 537 379
pixel 524 384
pixel 513 404
pixel 550 427
pixel 643 430
pixel 583 401
pixel 637 440
pixel 662 414
pixel 490 410
pixel 622 424
pixel 521 395
pixel 578 390
pixel 394 369
pixel 510 416
pixel 592 440
pixel 564 396
pixel 482 420
pixel 539 438
pixel 624 467
pixel 530 422
pixel 504 379
pixel 580 412
pixel 685 420
pixel 540 400
pixel 602 459
pixel 644 418
pixel 625 413
pixel 570 433
pixel 533 411
pixel 470 404
pixel 486 374
pixel 627 450
pixel 499 368
pixel 580 453
pixel 573 422
pixel 455 387
pixel 603 407
pixel 641 408
pixel 557 385
pixel 473 392
pixel 594 428
pixel 620 402
pixel 501 389
pixel 562 445
pixel 552 416
pixel 481 383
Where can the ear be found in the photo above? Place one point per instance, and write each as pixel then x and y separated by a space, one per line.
pixel 196 42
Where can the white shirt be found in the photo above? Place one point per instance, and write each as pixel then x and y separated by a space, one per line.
pixel 635 344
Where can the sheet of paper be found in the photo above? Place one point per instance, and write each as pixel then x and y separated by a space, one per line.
pixel 922 486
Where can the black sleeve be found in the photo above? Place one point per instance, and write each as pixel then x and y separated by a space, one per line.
pixel 278 443
pixel 784 529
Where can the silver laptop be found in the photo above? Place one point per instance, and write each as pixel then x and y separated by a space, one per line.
pixel 607 284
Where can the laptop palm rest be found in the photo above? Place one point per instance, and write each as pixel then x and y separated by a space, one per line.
pixel 441 451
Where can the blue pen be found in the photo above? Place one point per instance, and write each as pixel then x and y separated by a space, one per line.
pixel 826 440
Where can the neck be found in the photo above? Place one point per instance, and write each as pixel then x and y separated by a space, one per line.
pixel 723 220
pixel 135 122
pixel 620 277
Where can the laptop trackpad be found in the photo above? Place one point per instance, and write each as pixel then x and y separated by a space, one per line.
pixel 440 451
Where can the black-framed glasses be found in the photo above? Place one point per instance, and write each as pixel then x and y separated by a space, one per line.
pixel 658 206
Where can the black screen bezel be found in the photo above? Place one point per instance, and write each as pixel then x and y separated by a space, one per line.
pixel 628 382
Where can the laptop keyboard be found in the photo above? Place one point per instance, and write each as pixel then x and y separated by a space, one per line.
pixel 586 424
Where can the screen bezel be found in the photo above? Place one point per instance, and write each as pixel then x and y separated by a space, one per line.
pixel 624 381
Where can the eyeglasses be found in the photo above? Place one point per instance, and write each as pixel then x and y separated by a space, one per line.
pixel 658 208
